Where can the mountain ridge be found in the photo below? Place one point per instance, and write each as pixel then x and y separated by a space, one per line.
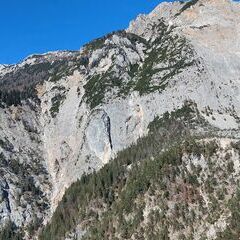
pixel 67 113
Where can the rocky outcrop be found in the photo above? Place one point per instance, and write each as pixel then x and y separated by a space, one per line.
pixel 63 114
pixel 24 182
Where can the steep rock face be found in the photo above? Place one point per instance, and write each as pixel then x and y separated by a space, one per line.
pixel 174 183
pixel 212 27
pixel 25 186
pixel 74 111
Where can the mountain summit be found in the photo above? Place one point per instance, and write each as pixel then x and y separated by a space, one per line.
pixel 135 136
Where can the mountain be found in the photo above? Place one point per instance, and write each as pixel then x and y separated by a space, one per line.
pixel 135 136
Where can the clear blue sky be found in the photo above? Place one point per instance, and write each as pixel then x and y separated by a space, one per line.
pixel 38 26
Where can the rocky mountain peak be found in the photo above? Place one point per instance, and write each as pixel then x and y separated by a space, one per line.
pixel 67 113
pixel 216 2
pixel 2 66
pixel 188 14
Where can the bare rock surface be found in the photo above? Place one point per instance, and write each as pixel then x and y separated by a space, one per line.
pixel 76 110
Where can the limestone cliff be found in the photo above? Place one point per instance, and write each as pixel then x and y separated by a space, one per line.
pixel 63 114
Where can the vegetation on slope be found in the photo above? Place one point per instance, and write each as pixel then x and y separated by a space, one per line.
pixel 22 175
pixel 130 196
pixel 10 232
pixel 103 184
pixel 165 57
pixel 99 84
pixel 15 97
pixel 187 5
pixel 20 83
pixel 57 100
pixel 169 54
